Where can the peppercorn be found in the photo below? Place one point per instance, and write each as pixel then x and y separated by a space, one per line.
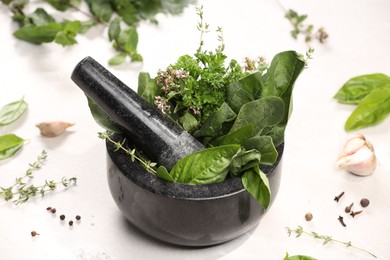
pixel 308 216
pixel 78 217
pixel 71 223
pixel 53 210
pixel 48 208
pixel 62 217
pixel 364 202
pixel 34 233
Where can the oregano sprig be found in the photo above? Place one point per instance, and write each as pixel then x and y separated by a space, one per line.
pixel 24 192
pixel 299 231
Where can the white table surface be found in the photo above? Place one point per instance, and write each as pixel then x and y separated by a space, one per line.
pixel 359 44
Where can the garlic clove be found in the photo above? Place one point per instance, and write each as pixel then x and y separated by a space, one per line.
pixel 358 156
pixel 53 129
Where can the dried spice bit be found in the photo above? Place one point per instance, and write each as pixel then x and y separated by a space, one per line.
pixel 308 216
pixel 71 223
pixel 364 202
pixel 78 217
pixel 48 208
pixel 62 217
pixel 53 210
pixel 34 233
pixel 337 198
pixel 348 208
pixel 354 213
pixel 341 220
pixel 53 129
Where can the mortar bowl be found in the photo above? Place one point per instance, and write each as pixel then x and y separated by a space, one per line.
pixel 183 214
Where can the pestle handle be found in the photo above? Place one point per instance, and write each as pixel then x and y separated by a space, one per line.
pixel 148 128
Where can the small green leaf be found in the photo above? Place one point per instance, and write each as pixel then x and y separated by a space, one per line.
pixel 355 89
pixel 68 33
pixel 101 118
pixel 147 87
pixel 114 29
pixel 9 145
pixel 373 109
pixel 102 9
pixel 41 17
pixel 257 184
pixel 136 57
pixel 244 160
pixel 128 39
pixel 239 136
pixel 38 34
pixel 118 59
pixel 60 5
pixel 163 173
pixel 188 121
pixel 207 166
pixel 265 146
pixel 12 111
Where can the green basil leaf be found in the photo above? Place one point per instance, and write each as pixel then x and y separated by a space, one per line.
pixel 60 5
pixel 129 14
pixel 128 39
pixel 244 160
pixel 101 118
pixel 265 146
pixel 38 34
pixel 355 89
pixel 68 33
pixel 243 91
pixel 188 121
pixel 257 184
pixel 277 133
pixel 280 78
pixel 163 173
pixel 214 123
pixel 298 257
pixel 207 166
pixel 239 136
pixel 12 111
pixel 9 145
pixel 372 110
pixel 41 17
pixel 118 59
pixel 266 111
pixel 136 57
pixel 114 29
pixel 147 87
pixel 102 9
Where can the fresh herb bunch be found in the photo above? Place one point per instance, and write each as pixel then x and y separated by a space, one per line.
pixel 121 16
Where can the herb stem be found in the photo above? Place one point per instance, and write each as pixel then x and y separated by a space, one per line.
pixel 326 239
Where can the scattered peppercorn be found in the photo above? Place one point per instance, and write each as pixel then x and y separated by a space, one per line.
pixel 341 219
pixel 71 223
pixel 364 202
pixel 34 233
pixel 308 216
pixel 48 208
pixel 337 198
pixel 53 210
pixel 348 208
pixel 354 213
pixel 62 217
pixel 78 217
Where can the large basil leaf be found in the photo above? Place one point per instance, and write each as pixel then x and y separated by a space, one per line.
pixel 266 111
pixel 265 146
pixel 244 160
pixel 243 91
pixel 239 136
pixel 12 111
pixel 280 78
pixel 101 118
pixel 355 89
pixel 9 145
pixel 257 184
pixel 372 110
pixel 147 87
pixel 214 123
pixel 206 166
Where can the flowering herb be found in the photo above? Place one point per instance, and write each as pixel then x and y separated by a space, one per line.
pixel 24 192
pixel 371 94
pixel 299 231
pixel 121 17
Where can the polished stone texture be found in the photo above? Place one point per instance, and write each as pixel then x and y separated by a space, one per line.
pixel 190 215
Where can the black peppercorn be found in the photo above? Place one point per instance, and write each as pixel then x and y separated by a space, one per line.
pixel 62 217
pixel 71 223
pixel 53 210
pixel 364 202
pixel 78 217
pixel 308 216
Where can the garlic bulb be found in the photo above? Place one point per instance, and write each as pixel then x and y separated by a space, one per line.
pixel 53 129
pixel 358 156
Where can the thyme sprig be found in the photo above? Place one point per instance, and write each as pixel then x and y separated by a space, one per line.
pixel 299 231
pixel 24 191
pixel 133 153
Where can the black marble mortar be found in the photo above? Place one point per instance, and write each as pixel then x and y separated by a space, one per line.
pixel 182 214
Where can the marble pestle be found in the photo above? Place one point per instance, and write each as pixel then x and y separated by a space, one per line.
pixel 153 132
